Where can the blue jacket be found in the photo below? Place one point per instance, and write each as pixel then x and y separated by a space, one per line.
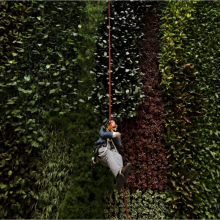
pixel 103 135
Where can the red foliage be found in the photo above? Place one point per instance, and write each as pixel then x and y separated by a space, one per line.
pixel 142 136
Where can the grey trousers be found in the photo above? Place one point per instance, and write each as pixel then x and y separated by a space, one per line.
pixel 112 158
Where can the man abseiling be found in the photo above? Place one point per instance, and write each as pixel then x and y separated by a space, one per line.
pixel 109 142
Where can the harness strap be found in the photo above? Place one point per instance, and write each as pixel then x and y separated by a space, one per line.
pixel 103 152
pixel 112 143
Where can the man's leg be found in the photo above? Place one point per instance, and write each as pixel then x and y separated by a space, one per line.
pixel 115 163
pixel 113 159
pixel 125 170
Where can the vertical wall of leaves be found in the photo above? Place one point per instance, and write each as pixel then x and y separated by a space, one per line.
pixel 142 136
pixel 85 199
pixel 190 35
pixel 60 51
pixel 126 83
pixel 16 151
pixel 47 126
pixel 143 204
pixel 38 79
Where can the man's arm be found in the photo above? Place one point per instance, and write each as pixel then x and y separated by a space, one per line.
pixel 108 134
pixel 105 134
pixel 117 142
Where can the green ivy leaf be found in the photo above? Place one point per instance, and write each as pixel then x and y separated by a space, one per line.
pixel 52 91
pixel 40 139
pixel 169 199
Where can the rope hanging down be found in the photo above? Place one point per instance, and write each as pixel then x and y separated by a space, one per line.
pixel 125 202
pixel 109 33
pixel 109 52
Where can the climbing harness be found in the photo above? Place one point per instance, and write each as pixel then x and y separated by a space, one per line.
pixel 97 159
pixel 97 156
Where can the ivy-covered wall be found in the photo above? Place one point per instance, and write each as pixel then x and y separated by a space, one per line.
pixel 146 204
pixel 191 35
pixel 19 128
pixel 41 63
pixel 143 136
pixel 126 94
pixel 54 78
pixel 54 174
pixel 85 199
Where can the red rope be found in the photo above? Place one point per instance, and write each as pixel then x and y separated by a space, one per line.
pixel 110 89
pixel 109 60
pixel 125 202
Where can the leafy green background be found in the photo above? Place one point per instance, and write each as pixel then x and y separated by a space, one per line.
pixel 54 174
pixel 191 35
pixel 126 29
pixel 39 80
pixel 53 56
pixel 18 132
pixel 146 204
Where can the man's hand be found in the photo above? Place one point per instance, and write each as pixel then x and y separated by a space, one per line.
pixel 118 134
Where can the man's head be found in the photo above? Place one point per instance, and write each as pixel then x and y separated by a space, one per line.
pixel 113 121
pixel 113 124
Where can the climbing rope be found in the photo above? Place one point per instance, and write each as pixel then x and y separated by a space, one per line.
pixel 125 202
pixel 109 33
pixel 109 52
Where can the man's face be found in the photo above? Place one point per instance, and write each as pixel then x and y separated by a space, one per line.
pixel 112 122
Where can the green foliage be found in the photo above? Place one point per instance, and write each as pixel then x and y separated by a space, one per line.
pixel 85 197
pixel 43 73
pixel 126 94
pixel 38 78
pixel 16 175
pixel 205 54
pixel 39 81
pixel 45 78
pixel 54 175
pixel 90 16
pixel 145 204
pixel 189 35
pixel 17 146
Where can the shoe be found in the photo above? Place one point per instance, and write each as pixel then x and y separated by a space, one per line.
pixel 125 170
pixel 120 181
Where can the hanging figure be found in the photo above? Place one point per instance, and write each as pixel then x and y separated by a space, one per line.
pixel 108 143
